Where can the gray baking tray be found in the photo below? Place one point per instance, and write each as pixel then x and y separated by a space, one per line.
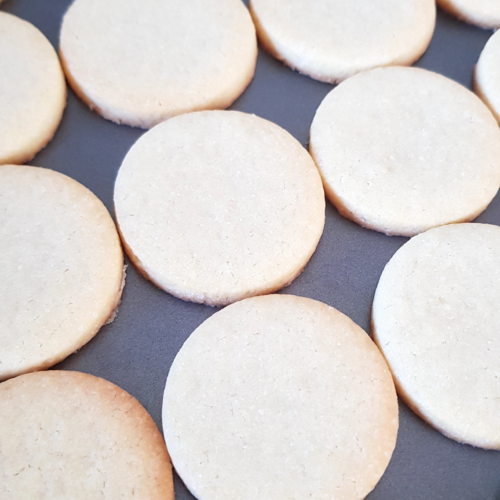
pixel 137 349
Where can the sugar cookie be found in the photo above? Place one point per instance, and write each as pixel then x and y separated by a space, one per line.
pixel 140 62
pixel 483 13
pixel 32 90
pixel 487 75
pixel 62 268
pixel 401 150
pixel 279 397
pixel 331 40
pixel 216 206
pixel 72 435
pixel 436 319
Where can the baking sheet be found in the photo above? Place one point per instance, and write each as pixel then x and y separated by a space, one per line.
pixel 137 349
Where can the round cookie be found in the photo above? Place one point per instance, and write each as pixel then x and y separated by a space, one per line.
pixel 401 150
pixel 437 321
pixel 62 268
pixel 483 13
pixel 279 397
pixel 72 435
pixel 140 62
pixel 487 75
pixel 330 40
pixel 216 206
pixel 32 90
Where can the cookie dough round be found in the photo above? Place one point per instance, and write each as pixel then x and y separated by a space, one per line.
pixel 216 206
pixel 483 13
pixel 140 62
pixel 401 150
pixel 279 397
pixel 62 268
pixel 32 90
pixel 437 321
pixel 487 75
pixel 330 40
pixel 72 435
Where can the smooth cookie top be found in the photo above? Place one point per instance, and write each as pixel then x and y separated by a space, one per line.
pixel 32 90
pixel 401 150
pixel 140 62
pixel 279 397
pixel 483 13
pixel 216 206
pixel 437 321
pixel 72 435
pixel 487 75
pixel 331 40
pixel 62 268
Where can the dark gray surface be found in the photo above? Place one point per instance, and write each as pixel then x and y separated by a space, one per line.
pixel 137 350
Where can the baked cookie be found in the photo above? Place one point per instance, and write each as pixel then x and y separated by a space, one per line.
pixel 401 150
pixel 32 90
pixel 140 62
pixel 483 13
pixel 487 75
pixel 437 321
pixel 72 435
pixel 330 40
pixel 279 397
pixel 62 268
pixel 216 206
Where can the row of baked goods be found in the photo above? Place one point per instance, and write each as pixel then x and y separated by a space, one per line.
pixel 280 395
pixel 400 150
pixel 276 395
pixel 140 64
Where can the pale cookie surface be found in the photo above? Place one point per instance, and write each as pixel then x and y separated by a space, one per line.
pixel 32 90
pixel 140 62
pixel 436 319
pixel 401 150
pixel 62 268
pixel 487 75
pixel 331 40
pixel 483 13
pixel 72 435
pixel 279 397
pixel 216 206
